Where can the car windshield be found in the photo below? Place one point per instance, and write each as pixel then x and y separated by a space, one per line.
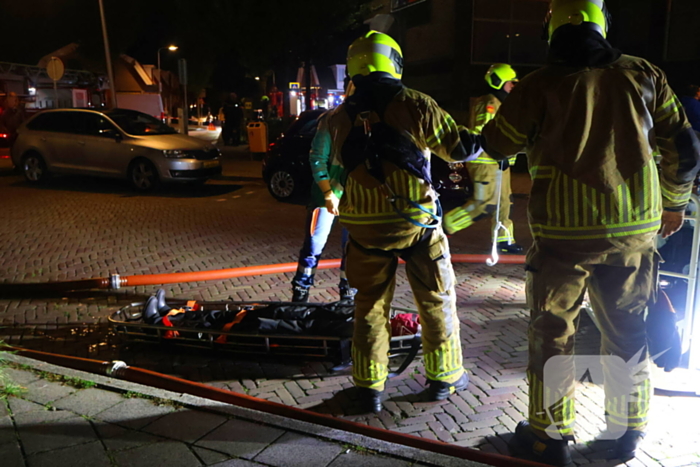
pixel 138 123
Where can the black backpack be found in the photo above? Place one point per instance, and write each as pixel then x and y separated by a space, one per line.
pixel 371 143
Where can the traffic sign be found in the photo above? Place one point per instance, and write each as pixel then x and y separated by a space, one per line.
pixel 294 86
pixel 55 68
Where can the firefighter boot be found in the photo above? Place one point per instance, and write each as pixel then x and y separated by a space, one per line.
pixel 626 445
pixel 370 400
pixel 300 294
pixel 160 299
pixel 546 451
pixel 440 390
pixel 510 248
pixel 150 311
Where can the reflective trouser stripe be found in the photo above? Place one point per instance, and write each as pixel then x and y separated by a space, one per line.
pixel 445 362
pixel 629 412
pixel 366 372
pixel 547 415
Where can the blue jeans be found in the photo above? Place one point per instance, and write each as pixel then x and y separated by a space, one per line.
pixel 319 223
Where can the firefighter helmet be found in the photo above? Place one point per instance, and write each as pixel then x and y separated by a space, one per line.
pixel 500 73
pixel 375 52
pixel 576 12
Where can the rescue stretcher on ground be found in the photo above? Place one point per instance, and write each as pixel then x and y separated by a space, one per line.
pixel 128 325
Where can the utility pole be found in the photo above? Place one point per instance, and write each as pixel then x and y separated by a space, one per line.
pixel 108 58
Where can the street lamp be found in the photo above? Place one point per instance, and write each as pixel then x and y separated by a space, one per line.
pixel 171 48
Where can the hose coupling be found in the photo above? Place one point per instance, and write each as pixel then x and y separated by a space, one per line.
pixel 115 282
pixel 116 367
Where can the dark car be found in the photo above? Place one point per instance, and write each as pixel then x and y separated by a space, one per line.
pixel 287 173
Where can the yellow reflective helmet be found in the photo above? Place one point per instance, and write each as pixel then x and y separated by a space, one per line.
pixel 576 12
pixel 498 74
pixel 375 52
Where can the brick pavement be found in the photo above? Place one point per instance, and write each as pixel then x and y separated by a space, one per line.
pixel 80 228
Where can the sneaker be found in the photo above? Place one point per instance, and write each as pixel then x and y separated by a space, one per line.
pixel 440 390
pixel 347 292
pixel 626 445
pixel 510 248
pixel 546 451
pixel 300 294
pixel 370 400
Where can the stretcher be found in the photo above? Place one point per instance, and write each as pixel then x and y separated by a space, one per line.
pixel 128 325
pixel 678 277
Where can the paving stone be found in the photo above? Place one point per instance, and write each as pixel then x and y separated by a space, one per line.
pixel 50 433
pixel 84 455
pixel 20 406
pixel 240 438
pixel 298 450
pixel 237 463
pixel 43 392
pixel 134 413
pixel 210 457
pixel 89 401
pixel 185 425
pixel 7 430
pixel 167 453
pixel 352 458
pixel 118 438
pixel 11 454
pixel 21 377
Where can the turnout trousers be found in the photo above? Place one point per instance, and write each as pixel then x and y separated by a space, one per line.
pixel 483 202
pixel 620 276
pixel 432 280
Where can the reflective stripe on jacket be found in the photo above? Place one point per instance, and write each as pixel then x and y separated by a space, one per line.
pixel 590 135
pixel 418 117
pixel 484 110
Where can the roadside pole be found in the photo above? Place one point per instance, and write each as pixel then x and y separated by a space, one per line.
pixel 55 70
pixel 182 72
pixel 108 58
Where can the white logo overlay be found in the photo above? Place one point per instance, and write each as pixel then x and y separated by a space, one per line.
pixel 621 380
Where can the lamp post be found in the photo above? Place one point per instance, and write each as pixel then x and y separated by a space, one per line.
pixel 110 73
pixel 171 48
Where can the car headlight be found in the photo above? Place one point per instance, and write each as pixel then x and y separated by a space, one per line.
pixel 175 153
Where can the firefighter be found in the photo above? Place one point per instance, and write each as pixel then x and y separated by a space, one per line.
pixel 391 211
pixel 591 122
pixel 501 79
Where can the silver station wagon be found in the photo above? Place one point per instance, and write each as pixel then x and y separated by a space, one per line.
pixel 116 143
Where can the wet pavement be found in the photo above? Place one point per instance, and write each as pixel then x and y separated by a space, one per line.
pixel 75 228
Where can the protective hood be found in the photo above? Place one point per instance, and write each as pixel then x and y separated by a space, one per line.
pixel 580 46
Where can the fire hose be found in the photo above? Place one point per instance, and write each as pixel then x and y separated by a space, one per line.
pixel 120 370
pixel 117 281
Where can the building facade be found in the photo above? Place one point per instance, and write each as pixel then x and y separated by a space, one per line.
pixel 449 44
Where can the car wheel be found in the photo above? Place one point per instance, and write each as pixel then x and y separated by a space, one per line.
pixel 282 185
pixel 34 168
pixel 143 175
